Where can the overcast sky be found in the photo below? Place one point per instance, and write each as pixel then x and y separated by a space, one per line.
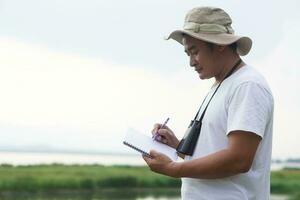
pixel 76 74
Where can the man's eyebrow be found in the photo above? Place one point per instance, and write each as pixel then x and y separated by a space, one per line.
pixel 190 48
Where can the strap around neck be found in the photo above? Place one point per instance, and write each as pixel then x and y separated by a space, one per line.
pixel 227 75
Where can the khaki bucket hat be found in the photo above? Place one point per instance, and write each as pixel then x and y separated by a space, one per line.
pixel 211 25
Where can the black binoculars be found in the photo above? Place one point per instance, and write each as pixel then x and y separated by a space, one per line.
pixel 188 143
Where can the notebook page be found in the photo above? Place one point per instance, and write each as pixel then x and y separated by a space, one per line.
pixel 146 143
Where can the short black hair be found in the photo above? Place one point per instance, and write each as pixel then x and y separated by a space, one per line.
pixel 232 46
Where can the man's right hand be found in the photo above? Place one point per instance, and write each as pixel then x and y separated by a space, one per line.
pixel 165 135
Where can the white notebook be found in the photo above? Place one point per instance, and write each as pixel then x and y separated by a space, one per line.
pixel 143 144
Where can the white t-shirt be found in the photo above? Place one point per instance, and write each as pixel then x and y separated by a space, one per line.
pixel 243 102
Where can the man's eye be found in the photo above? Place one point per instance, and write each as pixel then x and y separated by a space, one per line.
pixel 194 52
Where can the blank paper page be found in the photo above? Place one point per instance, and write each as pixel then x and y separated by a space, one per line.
pixel 146 143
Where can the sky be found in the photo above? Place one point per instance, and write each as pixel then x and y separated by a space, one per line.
pixel 75 75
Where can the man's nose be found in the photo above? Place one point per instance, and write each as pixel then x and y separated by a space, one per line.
pixel 192 62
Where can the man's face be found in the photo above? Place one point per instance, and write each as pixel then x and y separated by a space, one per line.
pixel 202 57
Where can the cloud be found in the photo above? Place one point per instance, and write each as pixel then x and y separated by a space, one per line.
pixel 69 100
pixel 46 90
pixel 282 70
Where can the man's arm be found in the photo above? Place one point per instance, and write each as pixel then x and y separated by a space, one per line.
pixel 237 158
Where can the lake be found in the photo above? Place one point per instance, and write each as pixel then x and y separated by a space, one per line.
pixel 105 195
pixel 27 158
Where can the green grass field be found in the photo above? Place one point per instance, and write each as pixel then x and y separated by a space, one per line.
pixel 95 177
pixel 286 181
pixel 49 177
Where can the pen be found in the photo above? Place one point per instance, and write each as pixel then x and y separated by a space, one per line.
pixel 156 134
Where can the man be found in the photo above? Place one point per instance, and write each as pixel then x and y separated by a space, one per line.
pixel 232 156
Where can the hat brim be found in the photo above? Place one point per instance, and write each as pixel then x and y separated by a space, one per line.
pixel 244 44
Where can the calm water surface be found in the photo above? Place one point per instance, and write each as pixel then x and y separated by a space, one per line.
pixel 25 158
pixel 105 195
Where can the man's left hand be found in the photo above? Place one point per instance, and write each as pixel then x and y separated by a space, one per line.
pixel 162 164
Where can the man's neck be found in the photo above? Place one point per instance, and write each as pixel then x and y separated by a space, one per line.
pixel 227 67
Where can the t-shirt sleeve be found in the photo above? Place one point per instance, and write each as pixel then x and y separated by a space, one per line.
pixel 249 109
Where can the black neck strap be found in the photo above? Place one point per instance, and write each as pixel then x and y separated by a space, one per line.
pixel 227 75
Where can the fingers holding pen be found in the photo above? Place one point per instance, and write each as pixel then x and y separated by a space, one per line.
pixel 158 133
pixel 158 126
pixel 166 136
